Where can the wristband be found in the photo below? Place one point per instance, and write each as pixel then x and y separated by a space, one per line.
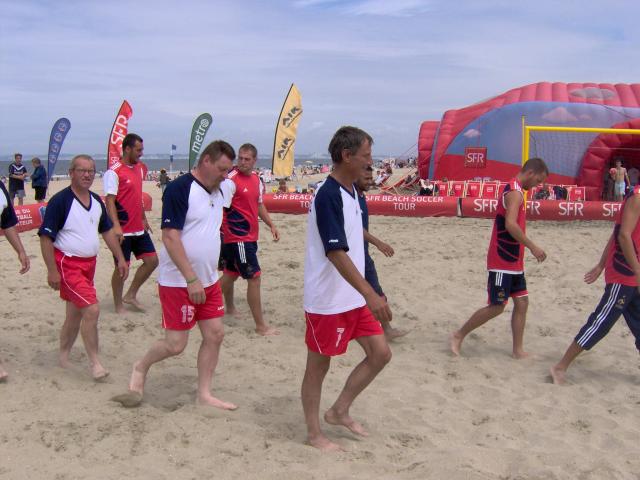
pixel 193 280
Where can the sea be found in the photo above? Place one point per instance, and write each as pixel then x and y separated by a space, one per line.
pixel 155 162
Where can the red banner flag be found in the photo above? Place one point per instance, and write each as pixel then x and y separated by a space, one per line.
pixel 118 132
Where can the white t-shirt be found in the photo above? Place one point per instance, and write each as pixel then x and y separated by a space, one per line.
pixel 73 227
pixel 334 222
pixel 188 206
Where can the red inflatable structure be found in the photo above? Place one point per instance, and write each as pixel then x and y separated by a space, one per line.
pixel 484 140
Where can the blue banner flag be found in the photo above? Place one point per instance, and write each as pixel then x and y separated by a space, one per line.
pixel 58 134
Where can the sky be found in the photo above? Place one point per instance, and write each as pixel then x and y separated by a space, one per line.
pixel 384 66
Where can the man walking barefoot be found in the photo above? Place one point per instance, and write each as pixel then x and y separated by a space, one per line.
pixel 69 243
pixel 339 303
pixel 505 260
pixel 189 290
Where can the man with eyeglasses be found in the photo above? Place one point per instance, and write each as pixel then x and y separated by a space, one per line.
pixel 123 192
pixel 69 243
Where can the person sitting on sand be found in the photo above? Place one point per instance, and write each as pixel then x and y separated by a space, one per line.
pixel 621 266
pixel 8 223
pixel 69 242
pixel 505 259
pixel 282 186
pixel 188 284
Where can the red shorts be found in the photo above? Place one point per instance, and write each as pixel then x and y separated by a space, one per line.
pixel 76 279
pixel 330 334
pixel 179 313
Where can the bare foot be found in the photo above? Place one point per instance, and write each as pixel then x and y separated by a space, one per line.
pixel 120 309
pixel 133 302
pixel 332 417
pixel 557 375
pixel 211 401
pixel 323 444
pixel 98 372
pixel 232 312
pixel 455 341
pixel 63 360
pixel 4 376
pixel 136 382
pixel 393 333
pixel 267 331
pixel 521 354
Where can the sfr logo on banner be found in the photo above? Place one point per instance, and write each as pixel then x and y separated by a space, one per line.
pixel 475 157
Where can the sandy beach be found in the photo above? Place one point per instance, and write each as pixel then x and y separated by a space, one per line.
pixel 480 416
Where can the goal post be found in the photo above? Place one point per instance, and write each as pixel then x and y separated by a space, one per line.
pixel 564 148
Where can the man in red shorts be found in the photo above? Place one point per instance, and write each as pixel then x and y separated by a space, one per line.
pixel 70 244
pixel 8 222
pixel 340 305
pixel 240 236
pixel 189 290
pixel 505 259
pixel 123 191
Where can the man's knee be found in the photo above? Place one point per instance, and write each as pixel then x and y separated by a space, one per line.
pixel 496 309
pixel 91 313
pixel 213 333
pixel 521 303
pixel 381 356
pixel 151 261
pixel 176 345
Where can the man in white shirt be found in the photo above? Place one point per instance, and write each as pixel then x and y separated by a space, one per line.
pixel 69 243
pixel 190 294
pixel 340 305
pixel 8 222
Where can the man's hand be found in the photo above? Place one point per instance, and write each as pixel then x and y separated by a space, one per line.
pixel 53 279
pixel 196 293
pixel 386 249
pixel 24 262
pixel 379 307
pixel 274 233
pixel 123 269
pixel 593 274
pixel 538 253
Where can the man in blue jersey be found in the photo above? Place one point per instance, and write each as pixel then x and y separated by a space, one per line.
pixel 363 185
pixel 8 222
pixel 339 303
pixel 189 290
pixel 69 242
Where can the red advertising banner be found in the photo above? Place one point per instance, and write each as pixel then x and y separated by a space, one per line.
pixel 475 157
pixel 30 216
pixel 412 206
pixel 118 132
pixel 392 205
pixel 544 209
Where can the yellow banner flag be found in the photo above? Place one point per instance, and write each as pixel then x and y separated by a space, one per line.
pixel 286 131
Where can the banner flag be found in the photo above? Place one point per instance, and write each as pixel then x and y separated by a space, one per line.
pixel 118 132
pixel 58 134
pixel 173 150
pixel 285 136
pixel 198 132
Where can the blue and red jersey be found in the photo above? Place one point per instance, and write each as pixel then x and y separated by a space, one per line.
pixel 617 269
pixel 241 219
pixel 505 253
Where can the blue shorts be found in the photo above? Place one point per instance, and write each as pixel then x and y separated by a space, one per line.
pixel 621 188
pixel 501 286
pixel 371 275
pixel 241 259
pixel 140 245
pixel 617 300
